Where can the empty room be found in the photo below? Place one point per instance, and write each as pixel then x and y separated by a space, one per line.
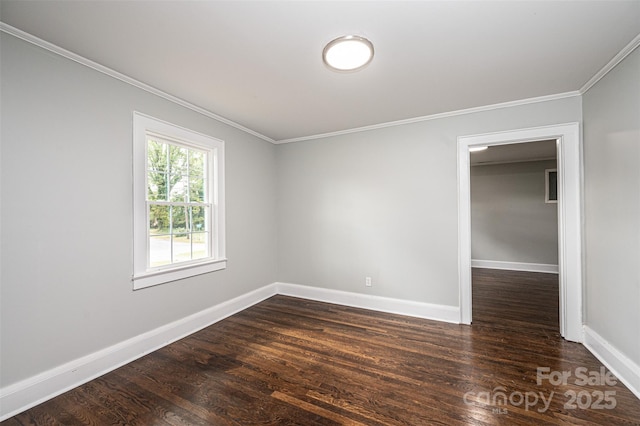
pixel 319 212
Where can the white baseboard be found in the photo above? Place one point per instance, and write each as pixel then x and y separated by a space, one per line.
pixel 515 266
pixel 624 369
pixel 376 303
pixel 37 389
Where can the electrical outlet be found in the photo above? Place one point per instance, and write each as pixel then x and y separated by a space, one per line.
pixel 367 281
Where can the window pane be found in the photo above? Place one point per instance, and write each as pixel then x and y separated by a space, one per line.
pixel 176 174
pixel 200 241
pixel 156 156
pixel 199 216
pixel 157 186
pixel 177 160
pixel 159 251
pixel 196 189
pixel 197 163
pixel 180 221
pixel 178 190
pixel 182 248
pixel 158 219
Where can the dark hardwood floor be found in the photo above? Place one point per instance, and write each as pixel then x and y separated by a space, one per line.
pixel 288 361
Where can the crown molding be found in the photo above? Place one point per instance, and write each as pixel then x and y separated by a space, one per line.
pixel 626 51
pixel 122 77
pixel 436 116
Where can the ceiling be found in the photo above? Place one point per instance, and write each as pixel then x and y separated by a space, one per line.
pixel 259 63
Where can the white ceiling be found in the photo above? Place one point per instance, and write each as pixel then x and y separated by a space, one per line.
pixel 259 63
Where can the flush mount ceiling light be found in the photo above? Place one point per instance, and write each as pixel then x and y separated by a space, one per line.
pixel 477 148
pixel 348 53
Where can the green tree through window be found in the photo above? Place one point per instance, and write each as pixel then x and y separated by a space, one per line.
pixel 176 198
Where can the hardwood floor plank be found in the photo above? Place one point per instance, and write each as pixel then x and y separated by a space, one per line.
pixel 287 361
pixel 322 412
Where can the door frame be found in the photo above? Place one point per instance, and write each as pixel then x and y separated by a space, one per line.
pixel 569 218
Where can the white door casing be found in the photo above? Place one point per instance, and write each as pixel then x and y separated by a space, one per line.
pixel 569 217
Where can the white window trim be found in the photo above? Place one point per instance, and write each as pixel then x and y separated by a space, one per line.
pixel 142 276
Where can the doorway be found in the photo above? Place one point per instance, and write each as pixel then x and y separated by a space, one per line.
pixel 569 218
pixel 514 236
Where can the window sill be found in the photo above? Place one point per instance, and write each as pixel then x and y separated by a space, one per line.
pixel 149 279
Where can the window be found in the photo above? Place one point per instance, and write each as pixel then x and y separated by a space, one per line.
pixel 551 185
pixel 178 178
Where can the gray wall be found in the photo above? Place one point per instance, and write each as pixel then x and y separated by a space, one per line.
pixel 66 184
pixel 383 203
pixel 612 206
pixel 510 222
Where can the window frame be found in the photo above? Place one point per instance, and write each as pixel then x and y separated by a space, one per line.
pixel 144 275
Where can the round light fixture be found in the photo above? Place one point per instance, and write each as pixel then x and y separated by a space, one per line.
pixel 348 53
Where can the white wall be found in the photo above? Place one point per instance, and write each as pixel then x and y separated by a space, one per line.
pixel 66 185
pixel 510 221
pixel 612 207
pixel 383 203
